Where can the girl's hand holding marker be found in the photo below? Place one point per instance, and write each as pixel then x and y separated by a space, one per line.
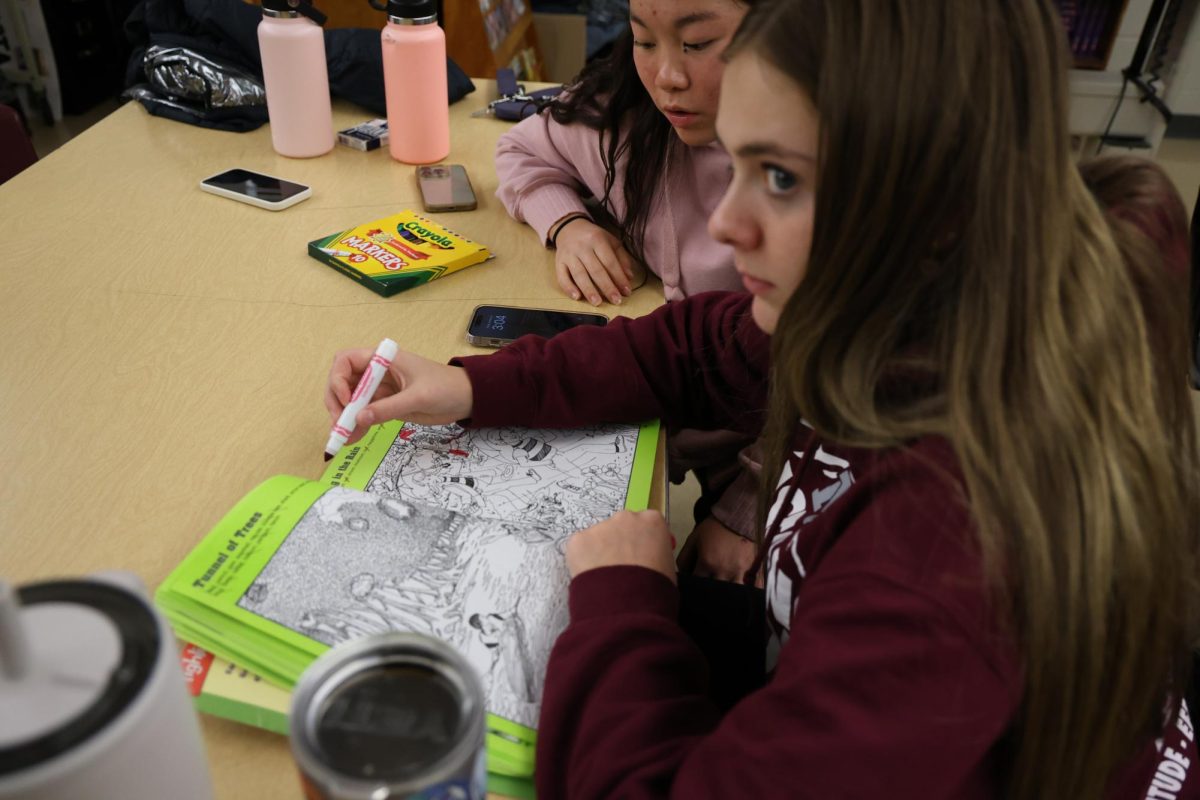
pixel 368 383
pixel 391 384
pixel 367 387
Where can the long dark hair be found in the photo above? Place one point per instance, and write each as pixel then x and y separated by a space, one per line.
pixel 953 226
pixel 605 96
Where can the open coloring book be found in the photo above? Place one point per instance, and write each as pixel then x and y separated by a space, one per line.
pixel 452 533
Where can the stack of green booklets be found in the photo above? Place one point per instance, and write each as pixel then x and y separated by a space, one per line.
pixel 452 533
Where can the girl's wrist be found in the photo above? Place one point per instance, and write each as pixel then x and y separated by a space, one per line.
pixel 564 222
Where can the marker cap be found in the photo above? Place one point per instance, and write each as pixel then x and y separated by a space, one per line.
pixel 387 350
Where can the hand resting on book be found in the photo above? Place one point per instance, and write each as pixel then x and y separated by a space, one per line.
pixel 414 389
pixel 628 538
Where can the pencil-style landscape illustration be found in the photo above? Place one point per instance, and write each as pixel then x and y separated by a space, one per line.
pixel 458 535
pixel 495 590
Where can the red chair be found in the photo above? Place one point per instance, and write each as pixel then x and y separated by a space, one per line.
pixel 16 149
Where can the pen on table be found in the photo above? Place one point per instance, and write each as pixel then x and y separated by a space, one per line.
pixel 367 384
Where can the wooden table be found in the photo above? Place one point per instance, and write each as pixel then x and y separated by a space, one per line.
pixel 165 350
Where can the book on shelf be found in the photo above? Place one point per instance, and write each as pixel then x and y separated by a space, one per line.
pixel 452 533
pixel 398 252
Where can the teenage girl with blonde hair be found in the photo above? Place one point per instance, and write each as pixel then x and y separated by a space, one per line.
pixel 983 490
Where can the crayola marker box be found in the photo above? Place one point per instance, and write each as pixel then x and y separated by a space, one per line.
pixel 396 253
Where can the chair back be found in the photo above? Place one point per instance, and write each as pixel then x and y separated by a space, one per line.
pixel 16 149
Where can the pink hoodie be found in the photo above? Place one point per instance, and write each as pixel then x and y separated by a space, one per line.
pixel 546 169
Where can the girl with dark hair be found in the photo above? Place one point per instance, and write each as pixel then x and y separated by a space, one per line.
pixel 633 136
pixel 626 168
pixel 981 502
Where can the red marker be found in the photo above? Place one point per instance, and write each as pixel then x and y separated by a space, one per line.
pixel 367 385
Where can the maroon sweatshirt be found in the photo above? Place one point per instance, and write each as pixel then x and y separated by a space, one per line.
pixel 891 675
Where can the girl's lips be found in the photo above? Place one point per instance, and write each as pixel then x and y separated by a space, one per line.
pixel 680 119
pixel 755 286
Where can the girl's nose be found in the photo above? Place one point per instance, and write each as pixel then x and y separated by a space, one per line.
pixel 671 75
pixel 731 225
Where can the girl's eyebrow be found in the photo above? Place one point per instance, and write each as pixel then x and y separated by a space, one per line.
pixel 682 22
pixel 758 149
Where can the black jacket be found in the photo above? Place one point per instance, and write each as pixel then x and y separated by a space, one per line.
pixel 226 31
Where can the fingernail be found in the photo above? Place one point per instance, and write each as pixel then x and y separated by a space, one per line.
pixel 627 290
pixel 367 417
pixel 616 299
pixel 594 300
pixel 574 295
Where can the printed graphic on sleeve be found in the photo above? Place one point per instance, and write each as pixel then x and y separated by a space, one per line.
pixel 798 501
pixel 1177 751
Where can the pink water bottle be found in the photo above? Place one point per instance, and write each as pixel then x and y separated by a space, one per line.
pixel 414 80
pixel 296 79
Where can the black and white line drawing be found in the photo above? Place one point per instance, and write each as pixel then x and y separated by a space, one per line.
pixel 459 536
pixel 563 479
pixel 494 589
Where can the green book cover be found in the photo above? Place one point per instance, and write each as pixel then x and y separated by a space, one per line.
pixel 396 253
pixel 453 533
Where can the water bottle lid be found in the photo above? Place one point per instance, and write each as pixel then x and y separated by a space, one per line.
pixel 292 8
pixel 90 649
pixel 413 9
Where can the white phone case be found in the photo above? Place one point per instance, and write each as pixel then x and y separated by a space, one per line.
pixel 257 201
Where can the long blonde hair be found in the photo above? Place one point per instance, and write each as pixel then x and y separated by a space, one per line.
pixel 958 253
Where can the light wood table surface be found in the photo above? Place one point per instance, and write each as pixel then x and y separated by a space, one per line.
pixel 165 349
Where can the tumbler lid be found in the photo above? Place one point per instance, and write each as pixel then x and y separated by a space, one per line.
pixel 73 655
pixel 400 710
pixel 292 8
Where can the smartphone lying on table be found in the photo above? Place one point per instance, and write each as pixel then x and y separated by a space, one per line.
pixel 496 326
pixel 257 189
pixel 445 187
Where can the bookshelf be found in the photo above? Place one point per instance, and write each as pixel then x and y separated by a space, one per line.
pixel 1145 36
pixel 351 14
pixel 485 35
pixel 1092 27
pixel 481 35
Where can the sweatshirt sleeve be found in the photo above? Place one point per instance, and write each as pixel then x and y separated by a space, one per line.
pixel 545 169
pixel 876 694
pixel 696 363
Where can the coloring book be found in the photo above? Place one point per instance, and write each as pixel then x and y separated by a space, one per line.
pixel 452 533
